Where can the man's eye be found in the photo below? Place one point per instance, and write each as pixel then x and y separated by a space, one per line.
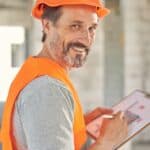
pixel 92 29
pixel 75 27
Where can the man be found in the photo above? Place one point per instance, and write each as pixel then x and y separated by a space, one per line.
pixel 43 111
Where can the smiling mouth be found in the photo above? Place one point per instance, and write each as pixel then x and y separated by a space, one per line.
pixel 79 49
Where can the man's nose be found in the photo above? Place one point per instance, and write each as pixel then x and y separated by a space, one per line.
pixel 86 38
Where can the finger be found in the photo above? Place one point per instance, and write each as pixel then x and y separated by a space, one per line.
pixel 126 123
pixel 125 128
pixel 107 116
pixel 104 124
pixel 117 113
pixel 92 115
pixel 122 116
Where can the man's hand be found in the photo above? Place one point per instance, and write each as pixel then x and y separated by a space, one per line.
pixel 96 113
pixel 113 131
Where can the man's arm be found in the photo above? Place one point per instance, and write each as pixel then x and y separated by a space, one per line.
pixel 46 113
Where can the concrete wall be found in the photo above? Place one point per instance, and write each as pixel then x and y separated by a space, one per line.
pixel 137 55
pixel 16 12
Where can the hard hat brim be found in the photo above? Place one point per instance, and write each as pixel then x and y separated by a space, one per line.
pixel 37 10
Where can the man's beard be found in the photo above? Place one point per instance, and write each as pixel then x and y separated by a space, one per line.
pixel 64 56
pixel 79 59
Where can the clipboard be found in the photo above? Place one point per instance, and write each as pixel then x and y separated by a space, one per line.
pixel 136 107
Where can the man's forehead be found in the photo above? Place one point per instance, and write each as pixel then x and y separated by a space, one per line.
pixel 82 7
pixel 80 11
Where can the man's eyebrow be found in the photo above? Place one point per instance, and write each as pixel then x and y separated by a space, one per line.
pixel 77 21
pixel 95 24
pixel 81 22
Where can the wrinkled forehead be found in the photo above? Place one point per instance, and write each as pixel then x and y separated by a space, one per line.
pixel 80 12
pixel 81 6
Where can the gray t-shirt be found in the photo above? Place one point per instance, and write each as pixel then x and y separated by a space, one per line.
pixel 43 116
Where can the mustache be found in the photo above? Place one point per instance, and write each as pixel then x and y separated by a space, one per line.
pixel 78 45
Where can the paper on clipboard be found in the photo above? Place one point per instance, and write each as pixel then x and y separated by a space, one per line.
pixel 137 110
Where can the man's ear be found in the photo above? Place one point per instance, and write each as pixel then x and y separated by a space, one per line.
pixel 46 24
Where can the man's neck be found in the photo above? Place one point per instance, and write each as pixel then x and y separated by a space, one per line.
pixel 44 54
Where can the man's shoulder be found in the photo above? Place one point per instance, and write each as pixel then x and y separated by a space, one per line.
pixel 45 87
pixel 44 80
pixel 43 83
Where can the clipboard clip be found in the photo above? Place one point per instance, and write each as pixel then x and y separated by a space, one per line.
pixel 147 95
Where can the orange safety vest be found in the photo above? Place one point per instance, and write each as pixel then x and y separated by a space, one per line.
pixel 33 68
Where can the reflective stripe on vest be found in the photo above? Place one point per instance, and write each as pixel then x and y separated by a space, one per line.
pixel 33 68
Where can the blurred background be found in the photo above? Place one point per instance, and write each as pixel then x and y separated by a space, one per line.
pixel 119 62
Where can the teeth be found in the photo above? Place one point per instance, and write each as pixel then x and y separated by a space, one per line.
pixel 79 49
